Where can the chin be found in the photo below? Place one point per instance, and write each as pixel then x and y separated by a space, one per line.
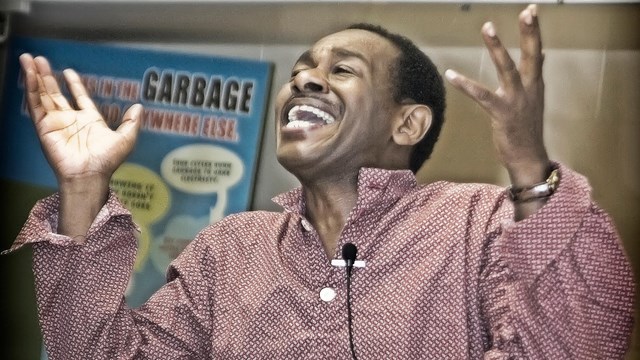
pixel 289 159
pixel 297 163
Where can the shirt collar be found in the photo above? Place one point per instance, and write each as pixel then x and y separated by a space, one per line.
pixel 375 187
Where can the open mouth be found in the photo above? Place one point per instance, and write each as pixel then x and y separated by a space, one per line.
pixel 305 116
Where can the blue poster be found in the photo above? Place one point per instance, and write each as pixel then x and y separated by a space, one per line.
pixel 197 151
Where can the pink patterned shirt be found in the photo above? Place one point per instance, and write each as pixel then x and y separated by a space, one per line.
pixel 448 275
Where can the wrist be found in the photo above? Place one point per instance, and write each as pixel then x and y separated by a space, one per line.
pixel 538 191
pixel 80 203
pixel 530 197
pixel 90 187
pixel 524 174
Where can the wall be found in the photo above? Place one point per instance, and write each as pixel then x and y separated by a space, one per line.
pixel 591 72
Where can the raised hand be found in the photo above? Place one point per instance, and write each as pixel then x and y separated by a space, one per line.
pixel 77 142
pixel 79 145
pixel 516 107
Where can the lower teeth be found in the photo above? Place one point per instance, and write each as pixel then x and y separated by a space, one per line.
pixel 299 124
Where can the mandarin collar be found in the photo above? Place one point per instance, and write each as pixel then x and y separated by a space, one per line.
pixel 375 187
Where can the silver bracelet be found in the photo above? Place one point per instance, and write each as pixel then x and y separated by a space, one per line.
pixel 537 191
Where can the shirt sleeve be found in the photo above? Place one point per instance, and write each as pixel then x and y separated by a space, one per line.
pixel 80 291
pixel 558 284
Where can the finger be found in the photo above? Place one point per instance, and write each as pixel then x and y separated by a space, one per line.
pixel 78 91
pixel 52 97
pixel 26 62
pixel 32 91
pixel 45 99
pixel 43 70
pixel 131 123
pixel 531 57
pixel 487 99
pixel 53 89
pixel 506 69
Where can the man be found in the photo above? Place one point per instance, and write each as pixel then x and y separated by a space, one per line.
pixel 451 271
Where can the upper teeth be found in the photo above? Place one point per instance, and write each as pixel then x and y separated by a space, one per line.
pixel 326 117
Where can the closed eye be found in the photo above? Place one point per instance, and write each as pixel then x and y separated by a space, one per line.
pixel 294 73
pixel 342 70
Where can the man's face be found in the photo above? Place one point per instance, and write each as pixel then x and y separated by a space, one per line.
pixel 333 116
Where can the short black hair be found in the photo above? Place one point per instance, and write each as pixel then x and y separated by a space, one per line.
pixel 418 79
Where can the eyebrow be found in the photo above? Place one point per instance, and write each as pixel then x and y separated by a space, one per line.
pixel 307 56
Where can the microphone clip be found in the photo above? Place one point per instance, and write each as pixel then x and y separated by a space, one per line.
pixel 343 263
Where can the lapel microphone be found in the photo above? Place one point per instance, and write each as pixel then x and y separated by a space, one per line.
pixel 349 253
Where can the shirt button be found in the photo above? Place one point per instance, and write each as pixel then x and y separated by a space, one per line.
pixel 506 333
pixel 306 225
pixel 327 294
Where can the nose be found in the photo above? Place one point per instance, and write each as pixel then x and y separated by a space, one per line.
pixel 310 80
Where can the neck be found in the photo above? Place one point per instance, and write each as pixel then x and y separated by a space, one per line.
pixel 329 202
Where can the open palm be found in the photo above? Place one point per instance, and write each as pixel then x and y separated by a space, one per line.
pixel 76 141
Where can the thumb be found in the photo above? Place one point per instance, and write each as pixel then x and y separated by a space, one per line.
pixel 131 123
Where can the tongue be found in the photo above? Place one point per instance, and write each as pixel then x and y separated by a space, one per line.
pixel 309 117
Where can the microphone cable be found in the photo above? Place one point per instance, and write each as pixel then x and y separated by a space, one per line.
pixel 349 252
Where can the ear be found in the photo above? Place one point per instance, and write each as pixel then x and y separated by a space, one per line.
pixel 412 124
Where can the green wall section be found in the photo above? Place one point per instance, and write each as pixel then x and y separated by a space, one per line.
pixel 21 337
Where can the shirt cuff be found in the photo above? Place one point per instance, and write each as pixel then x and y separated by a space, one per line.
pixel 42 222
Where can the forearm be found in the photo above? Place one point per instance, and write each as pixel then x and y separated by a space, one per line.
pixel 80 291
pixel 559 281
pixel 81 300
pixel 568 313
pixel 80 287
